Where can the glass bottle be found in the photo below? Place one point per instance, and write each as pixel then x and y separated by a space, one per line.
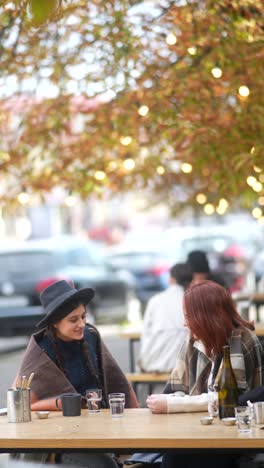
pixel 227 387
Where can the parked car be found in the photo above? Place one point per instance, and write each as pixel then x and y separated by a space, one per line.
pixel 149 267
pixel 26 270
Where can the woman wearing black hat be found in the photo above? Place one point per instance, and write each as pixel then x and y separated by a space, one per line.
pixel 67 355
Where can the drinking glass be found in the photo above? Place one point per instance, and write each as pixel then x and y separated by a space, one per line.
pixel 244 419
pixel 212 403
pixel 258 408
pixel 117 404
pixel 94 400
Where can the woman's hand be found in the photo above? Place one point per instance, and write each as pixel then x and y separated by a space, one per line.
pixel 48 404
pixel 157 403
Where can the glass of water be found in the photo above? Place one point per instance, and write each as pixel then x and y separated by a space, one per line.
pixel 244 419
pixel 94 400
pixel 117 404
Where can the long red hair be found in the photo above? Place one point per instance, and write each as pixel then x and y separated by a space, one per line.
pixel 211 315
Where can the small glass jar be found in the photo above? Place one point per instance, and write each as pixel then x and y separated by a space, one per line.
pixel 213 403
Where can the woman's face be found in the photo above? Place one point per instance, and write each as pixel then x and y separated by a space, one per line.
pixel 72 326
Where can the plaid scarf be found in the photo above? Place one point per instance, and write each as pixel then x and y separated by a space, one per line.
pixel 191 372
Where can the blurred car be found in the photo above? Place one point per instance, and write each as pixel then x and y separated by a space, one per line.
pixel 26 270
pixel 149 267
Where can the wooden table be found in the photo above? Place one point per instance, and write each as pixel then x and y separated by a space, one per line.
pixel 259 329
pixel 138 430
pixel 245 300
pixel 256 298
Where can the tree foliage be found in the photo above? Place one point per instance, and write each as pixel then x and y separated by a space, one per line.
pixel 74 78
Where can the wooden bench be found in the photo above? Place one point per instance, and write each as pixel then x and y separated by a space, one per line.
pixel 147 378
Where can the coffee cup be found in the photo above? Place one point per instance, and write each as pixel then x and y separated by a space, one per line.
pixel 71 404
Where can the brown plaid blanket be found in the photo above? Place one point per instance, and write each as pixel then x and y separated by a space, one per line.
pixel 192 369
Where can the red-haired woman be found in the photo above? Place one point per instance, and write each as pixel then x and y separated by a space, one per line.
pixel 213 322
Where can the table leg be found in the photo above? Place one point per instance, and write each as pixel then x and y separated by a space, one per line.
pixel 257 311
pixel 131 355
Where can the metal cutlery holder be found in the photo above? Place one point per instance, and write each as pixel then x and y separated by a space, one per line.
pixel 18 405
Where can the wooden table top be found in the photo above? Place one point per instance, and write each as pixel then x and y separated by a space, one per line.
pixel 259 329
pixel 137 429
pixel 131 334
pixel 253 297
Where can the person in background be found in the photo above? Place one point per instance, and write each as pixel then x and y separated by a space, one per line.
pixel 67 355
pixel 163 326
pixel 212 320
pixel 199 265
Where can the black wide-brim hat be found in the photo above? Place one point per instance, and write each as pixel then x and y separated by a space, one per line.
pixel 60 299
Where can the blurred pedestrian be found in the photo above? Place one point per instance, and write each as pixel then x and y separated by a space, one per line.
pixel 199 265
pixel 163 326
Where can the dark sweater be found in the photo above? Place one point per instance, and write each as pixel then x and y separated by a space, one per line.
pixel 73 360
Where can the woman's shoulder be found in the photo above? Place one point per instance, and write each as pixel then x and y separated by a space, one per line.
pixel 44 342
pixel 41 339
pixel 186 349
pixel 247 336
pixel 91 334
pixel 244 332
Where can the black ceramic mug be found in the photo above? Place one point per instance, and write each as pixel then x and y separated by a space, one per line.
pixel 71 404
